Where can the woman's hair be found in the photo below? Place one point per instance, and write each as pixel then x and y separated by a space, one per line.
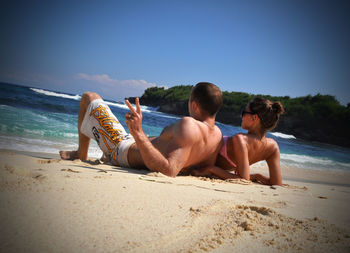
pixel 267 111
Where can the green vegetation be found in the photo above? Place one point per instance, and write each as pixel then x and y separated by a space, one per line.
pixel 155 96
pixel 319 106
pixel 317 118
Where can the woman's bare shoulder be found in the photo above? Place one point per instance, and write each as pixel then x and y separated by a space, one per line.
pixel 240 137
pixel 272 145
pixel 271 142
pixel 239 140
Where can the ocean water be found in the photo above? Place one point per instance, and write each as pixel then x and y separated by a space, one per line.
pixel 38 120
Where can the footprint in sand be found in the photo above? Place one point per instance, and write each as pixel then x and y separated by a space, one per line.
pixel 239 181
pixel 70 170
pixel 38 176
pixel 156 174
pixel 41 161
pixel 24 172
pixel 295 187
pixel 230 180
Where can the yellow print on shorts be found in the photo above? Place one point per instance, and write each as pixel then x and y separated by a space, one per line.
pixel 106 122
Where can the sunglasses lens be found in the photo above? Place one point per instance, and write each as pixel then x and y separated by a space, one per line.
pixel 245 112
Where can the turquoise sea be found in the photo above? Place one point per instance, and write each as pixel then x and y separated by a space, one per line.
pixel 39 120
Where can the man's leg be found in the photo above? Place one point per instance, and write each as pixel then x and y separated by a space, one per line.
pixel 84 141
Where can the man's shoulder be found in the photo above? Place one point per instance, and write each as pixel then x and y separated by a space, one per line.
pixel 188 122
pixel 188 128
pixel 192 125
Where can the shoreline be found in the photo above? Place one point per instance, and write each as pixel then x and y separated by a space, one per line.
pixel 56 205
pixel 289 173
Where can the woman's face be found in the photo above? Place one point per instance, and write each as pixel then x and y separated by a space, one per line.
pixel 247 118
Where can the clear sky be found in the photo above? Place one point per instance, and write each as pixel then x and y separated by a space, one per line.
pixel 119 48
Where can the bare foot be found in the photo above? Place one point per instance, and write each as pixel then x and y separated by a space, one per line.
pixel 69 155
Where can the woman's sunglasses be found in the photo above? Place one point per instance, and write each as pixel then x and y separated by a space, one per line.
pixel 246 112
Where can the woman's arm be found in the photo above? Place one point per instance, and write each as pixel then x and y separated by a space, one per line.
pixel 224 174
pixel 274 167
pixel 241 154
pixel 214 170
pixel 260 179
pixel 240 151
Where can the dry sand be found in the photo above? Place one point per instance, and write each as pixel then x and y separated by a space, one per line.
pixel 50 205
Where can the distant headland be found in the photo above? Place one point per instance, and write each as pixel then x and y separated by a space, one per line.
pixel 319 118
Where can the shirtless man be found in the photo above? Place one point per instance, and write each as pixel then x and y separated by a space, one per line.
pixel 191 141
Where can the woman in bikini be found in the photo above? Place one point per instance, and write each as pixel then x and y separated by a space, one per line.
pixel 241 150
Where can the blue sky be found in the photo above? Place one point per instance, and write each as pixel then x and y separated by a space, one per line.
pixel 119 48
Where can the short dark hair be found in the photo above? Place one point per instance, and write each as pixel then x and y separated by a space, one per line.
pixel 208 96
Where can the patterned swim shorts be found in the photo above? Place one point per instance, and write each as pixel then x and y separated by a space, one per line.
pixel 101 125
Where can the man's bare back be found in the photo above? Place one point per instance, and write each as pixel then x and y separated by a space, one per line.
pixel 201 139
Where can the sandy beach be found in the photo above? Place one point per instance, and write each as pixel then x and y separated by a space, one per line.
pixel 50 205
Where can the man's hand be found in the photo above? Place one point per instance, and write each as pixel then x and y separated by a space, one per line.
pixel 133 119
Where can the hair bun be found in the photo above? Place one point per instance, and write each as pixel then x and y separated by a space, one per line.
pixel 277 108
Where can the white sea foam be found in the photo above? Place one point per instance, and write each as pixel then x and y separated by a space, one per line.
pixel 148 108
pixel 4 106
pixel 164 115
pixel 55 94
pixel 124 106
pixel 144 108
pixel 46 132
pixel 281 135
pixel 304 161
pixel 44 146
pixel 35 132
pixel 70 135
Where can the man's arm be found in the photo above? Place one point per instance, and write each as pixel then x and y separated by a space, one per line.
pixel 179 147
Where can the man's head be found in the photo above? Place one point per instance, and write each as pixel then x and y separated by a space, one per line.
pixel 208 97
